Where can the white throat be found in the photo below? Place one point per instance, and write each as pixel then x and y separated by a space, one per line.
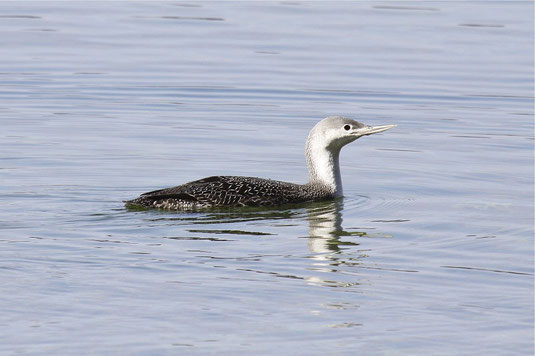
pixel 323 165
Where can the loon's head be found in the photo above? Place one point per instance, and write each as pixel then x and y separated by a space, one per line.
pixel 323 148
pixel 334 132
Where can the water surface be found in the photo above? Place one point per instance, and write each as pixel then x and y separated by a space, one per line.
pixel 430 251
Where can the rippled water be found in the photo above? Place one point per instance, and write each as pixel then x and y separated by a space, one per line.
pixel 430 251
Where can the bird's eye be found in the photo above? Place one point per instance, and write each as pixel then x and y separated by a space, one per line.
pixel 347 127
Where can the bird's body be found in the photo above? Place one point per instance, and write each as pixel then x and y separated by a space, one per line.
pixel 231 191
pixel 322 152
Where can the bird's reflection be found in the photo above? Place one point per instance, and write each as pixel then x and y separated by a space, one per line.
pixel 324 220
pixel 325 227
pixel 327 250
pixel 331 257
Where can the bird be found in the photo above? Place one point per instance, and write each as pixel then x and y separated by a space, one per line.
pixel 322 151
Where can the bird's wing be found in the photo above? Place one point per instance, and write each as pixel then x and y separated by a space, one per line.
pixel 225 190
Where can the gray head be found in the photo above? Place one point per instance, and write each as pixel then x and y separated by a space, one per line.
pixel 334 132
pixel 323 148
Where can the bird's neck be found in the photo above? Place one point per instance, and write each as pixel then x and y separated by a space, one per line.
pixel 324 167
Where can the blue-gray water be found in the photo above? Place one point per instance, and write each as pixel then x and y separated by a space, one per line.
pixel 430 252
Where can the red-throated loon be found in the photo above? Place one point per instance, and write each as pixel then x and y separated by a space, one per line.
pixel 323 146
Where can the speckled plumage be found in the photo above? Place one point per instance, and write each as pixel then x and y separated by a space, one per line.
pixel 230 191
pixel 322 150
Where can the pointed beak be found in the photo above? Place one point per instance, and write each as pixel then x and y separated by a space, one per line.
pixel 368 130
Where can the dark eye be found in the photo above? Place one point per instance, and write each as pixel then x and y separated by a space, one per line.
pixel 347 127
